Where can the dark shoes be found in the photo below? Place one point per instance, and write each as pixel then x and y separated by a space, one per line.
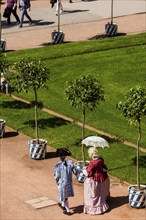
pixel 63 208
pixel 66 213
pixel 31 23
pixel 70 1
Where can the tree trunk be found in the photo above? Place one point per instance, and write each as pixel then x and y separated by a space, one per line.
pixel 0 22
pixel 138 144
pixel 36 117
pixel 83 136
pixel 112 11
pixel 58 16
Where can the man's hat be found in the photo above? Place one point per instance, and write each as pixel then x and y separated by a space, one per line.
pixel 62 152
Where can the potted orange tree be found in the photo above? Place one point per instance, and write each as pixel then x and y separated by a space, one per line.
pixel 134 108
pixel 31 74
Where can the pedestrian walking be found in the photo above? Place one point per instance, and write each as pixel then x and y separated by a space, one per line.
pixel 59 7
pixel 96 185
pixel 12 6
pixel 4 83
pixel 24 5
pixel 63 175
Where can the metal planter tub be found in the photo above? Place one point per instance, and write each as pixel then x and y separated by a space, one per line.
pixel 57 37
pixel 37 151
pixel 2 128
pixel 137 198
pixel 81 171
pixel 2 45
pixel 111 29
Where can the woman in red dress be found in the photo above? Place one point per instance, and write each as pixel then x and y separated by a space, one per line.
pixel 96 185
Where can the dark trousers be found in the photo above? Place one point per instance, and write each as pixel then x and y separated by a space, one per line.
pixel 14 12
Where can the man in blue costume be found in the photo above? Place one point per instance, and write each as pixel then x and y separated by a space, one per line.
pixel 63 176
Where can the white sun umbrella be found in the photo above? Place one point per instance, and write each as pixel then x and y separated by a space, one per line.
pixel 95 141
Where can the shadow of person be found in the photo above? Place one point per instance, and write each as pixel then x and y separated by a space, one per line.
pixel 77 209
pixel 115 202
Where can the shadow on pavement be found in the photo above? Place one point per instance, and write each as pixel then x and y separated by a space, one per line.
pixel 49 155
pixel 73 11
pixel 11 134
pixel 115 202
pixel 77 209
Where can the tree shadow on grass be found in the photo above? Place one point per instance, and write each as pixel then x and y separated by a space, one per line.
pixel 15 105
pixel 103 36
pixel 142 161
pixel 50 123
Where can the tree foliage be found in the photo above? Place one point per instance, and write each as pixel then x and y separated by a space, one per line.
pixel 30 74
pixel 4 64
pixel 85 92
pixel 134 105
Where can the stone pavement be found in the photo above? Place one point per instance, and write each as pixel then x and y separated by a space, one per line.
pixel 24 179
pixel 81 20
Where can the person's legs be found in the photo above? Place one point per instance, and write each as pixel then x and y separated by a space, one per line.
pixel 14 11
pixel 66 205
pixel 59 6
pixel 2 86
pixel 9 17
pixel 6 85
pixel 28 17
pixel 23 10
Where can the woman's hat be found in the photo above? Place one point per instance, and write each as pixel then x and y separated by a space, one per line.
pixel 62 152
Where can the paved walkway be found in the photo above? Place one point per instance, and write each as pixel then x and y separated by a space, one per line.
pixel 25 179
pixel 81 20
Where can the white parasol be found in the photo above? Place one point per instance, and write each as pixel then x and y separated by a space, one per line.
pixel 95 141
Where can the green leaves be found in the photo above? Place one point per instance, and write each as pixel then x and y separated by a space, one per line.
pixel 85 92
pixel 134 105
pixel 29 73
pixel 3 63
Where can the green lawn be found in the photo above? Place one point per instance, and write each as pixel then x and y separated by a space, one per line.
pixel 120 64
